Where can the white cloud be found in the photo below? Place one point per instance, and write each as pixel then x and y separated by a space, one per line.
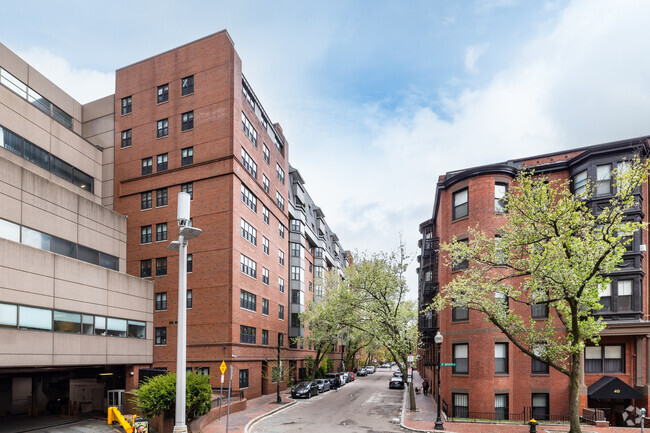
pixel 84 85
pixel 472 54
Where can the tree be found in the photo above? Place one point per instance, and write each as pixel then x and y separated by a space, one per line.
pixel 551 251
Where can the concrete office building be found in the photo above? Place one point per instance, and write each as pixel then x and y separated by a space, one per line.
pixel 73 324
pixel 492 378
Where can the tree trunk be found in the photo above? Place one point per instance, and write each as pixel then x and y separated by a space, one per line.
pixel 316 364
pixel 574 390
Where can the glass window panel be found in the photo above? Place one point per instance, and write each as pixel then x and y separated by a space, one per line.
pixel 8 315
pixel 108 261
pixel 61 246
pixel 613 352
pixel 13 83
pixel 500 350
pixel 67 322
pixel 9 231
pixel 603 176
pixel 38 156
pixel 136 329
pixel 83 181
pixel 34 318
pixel 38 101
pixel 61 168
pixel 12 142
pixel 116 327
pixel 605 289
pixel 592 352
pixel 100 325
pixel 87 324
pixel 35 239
pixel 88 254
pixel 62 117
pixel 624 287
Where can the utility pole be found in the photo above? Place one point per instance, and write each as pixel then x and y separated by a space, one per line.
pixel 279 371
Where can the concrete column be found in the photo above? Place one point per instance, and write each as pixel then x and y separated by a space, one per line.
pixel 583 388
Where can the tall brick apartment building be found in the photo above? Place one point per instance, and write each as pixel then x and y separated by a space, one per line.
pixel 492 378
pixel 188 120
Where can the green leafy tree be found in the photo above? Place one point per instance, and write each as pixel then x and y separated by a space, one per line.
pixel 551 251
pixel 157 395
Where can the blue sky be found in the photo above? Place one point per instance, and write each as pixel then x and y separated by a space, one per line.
pixel 378 98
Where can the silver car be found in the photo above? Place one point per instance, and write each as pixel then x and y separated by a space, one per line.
pixel 323 385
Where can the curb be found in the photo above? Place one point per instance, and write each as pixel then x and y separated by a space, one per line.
pixel 404 426
pixel 264 415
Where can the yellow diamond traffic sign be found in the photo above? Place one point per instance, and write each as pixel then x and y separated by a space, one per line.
pixel 223 367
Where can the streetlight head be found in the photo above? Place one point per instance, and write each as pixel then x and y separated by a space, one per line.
pixel 438 338
pixel 190 232
pixel 174 246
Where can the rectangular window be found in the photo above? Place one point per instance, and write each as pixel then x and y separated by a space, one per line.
pixel 34 318
pixel 161 336
pixel 501 299
pixel 501 407
pixel 265 183
pixel 67 322
pixel 297 297
pixel 126 138
pixel 246 334
pixel 162 128
pixel 243 379
pixel 604 179
pixel 460 405
pixel 126 105
pixel 161 301
pixel 161 267
pixel 265 307
pixel 265 337
pixel 247 300
pixel 461 204
pixel 248 266
pixel 295 320
pixel 459 314
pixel 538 367
pixel 281 312
pixel 540 406
pixel 500 190
pixel 36 155
pixel 297 273
pixel 187 156
pixel 265 245
pixel 501 358
pixel 539 311
pixel 265 276
pixel 248 232
pixel 145 268
pixel 296 225
pixel 266 154
pixel 115 327
pixel 163 93
pixel 187 121
pixel 281 257
pixel 605 292
pixel 265 213
pixel 248 163
pixel 605 359
pixel 136 329
pixel 248 97
pixel 147 165
pixel 188 188
pixel 624 295
pixel 296 249
pixel 8 316
pixel 464 264
pixel 460 358
pixel 145 234
pixel 248 129
pixel 188 299
pixel 580 183
pixel 279 173
pixel 190 263
pixel 187 85
pixel 161 162
pixel 161 197
pixel 161 232
pixel 248 198
pixel 279 200
pixel 281 284
pixel 281 230
pixel 280 339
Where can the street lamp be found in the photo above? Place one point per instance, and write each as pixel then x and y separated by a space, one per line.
pixel 185 233
pixel 438 339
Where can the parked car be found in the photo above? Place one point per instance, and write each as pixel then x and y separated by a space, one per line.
pixel 335 378
pixel 362 372
pixel 385 365
pixel 397 374
pixel 346 377
pixel 370 369
pixel 396 382
pixel 352 375
pixel 323 385
pixel 304 389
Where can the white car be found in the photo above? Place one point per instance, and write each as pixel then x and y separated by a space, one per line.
pixel 370 369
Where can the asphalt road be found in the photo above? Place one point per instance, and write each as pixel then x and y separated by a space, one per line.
pixel 363 406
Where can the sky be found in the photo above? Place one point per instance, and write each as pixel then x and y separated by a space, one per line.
pixel 378 98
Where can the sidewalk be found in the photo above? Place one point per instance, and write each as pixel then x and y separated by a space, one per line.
pixel 424 420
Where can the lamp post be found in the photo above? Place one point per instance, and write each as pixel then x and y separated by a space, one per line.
pixel 438 339
pixel 185 233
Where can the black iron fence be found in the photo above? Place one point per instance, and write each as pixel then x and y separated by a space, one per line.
pixel 527 414
pixel 220 396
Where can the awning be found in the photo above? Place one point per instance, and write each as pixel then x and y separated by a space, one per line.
pixel 612 387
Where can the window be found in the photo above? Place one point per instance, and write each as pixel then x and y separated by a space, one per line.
pixel 161 267
pixel 202 371
pixel 265 276
pixel 265 183
pixel 161 336
pixel 624 298
pixel 265 213
pixel 161 197
pixel 281 230
pixel 296 249
pixel 279 173
pixel 500 190
pixel 67 322
pixel 249 198
pixel 501 298
pixel 461 358
pixel 161 301
pixel 163 93
pixel 162 128
pixel 311 287
pixel 248 232
pixel 248 163
pixel 279 200
pixel 187 156
pixel 265 245
pixel 281 312
pixel 297 273
pixel 247 300
pixel 187 121
pixel 248 129
pixel 604 179
pixel 540 406
pixel 460 406
pixel 281 284
pixel 188 188
pixel 501 407
pixel 248 97
pixel 126 105
pixel 246 334
pixel 265 337
pixel 161 162
pixel 161 232
pixel 461 204
pixel 501 358
pixel 145 234
pixel 265 153
pixel 464 264
pixel 126 138
pixel 606 296
pixel 265 307
pixel 539 311
pixel 248 266
pixel 295 320
pixel 580 183
pixel 296 225
pixel 280 339
pixel 538 367
pixel 145 268
pixel 281 257
pixel 459 314
pixel 190 262
pixel 188 299
pixel 243 379
pixel 605 359
pixel 147 165
pixel 187 85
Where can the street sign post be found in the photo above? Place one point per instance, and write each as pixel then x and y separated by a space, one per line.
pixel 447 364
pixel 223 371
pixel 410 358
